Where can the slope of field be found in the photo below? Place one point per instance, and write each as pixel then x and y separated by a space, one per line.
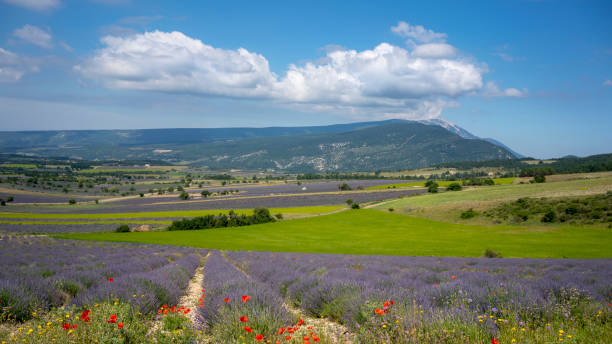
pixel 447 206
pixel 368 231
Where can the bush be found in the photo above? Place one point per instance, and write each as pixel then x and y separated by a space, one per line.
pixel 540 178
pixel 122 229
pixel 468 214
pixel 2 202
pixel 433 187
pixel 184 195
pixel 355 206
pixel 550 216
pixel 344 187
pixel 9 199
pixel 488 253
pixel 279 216
pixel 454 187
pixel 71 201
pixel 349 201
pixel 141 194
pixel 391 209
pixel 205 193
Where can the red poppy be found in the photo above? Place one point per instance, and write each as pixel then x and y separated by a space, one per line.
pixel 435 284
pixel 392 302
pixel 453 277
pixel 245 298
pixel 300 322
pixel 386 304
pixel 85 315
pixel 120 325
pixel 66 326
pixel 202 290
pixel 315 338
pixel 112 319
pixel 243 318
pixel 494 341
pixel 379 311
pixel 288 338
pixel 226 299
pixel 74 326
pixel 281 331
pixel 259 337
pixel 248 329
pixel 306 338
pixel 187 310
pixel 110 279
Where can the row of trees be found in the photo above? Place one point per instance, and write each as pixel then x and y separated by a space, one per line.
pixel 260 215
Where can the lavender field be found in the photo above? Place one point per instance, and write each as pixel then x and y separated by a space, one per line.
pixel 38 273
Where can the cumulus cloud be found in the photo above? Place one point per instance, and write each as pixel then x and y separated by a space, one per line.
pixel 13 66
pixel 607 82
pixel 36 5
pixel 492 90
pixel 384 81
pixel 417 33
pixel 34 35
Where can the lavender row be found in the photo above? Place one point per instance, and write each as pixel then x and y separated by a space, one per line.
pixel 348 287
pixel 39 273
pixel 230 295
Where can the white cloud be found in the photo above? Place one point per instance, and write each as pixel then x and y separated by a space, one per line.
pixel 36 5
pixel 13 66
pixel 173 62
pixel 34 35
pixel 607 82
pixel 492 90
pixel 434 50
pixel 385 81
pixel 417 33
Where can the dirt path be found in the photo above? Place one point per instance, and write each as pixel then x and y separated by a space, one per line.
pixel 193 293
pixel 331 331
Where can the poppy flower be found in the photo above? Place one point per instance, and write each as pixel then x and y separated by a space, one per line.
pixel 300 322
pixel 248 329
pixel 226 299
pixel 187 311
pixel 110 279
pixel 259 338
pixel 66 326
pixel 453 277
pixel 120 325
pixel 281 331
pixel 85 315
pixel 288 338
pixel 243 318
pixel 392 302
pixel 315 338
pixel 379 311
pixel 494 341
pixel 245 298
pixel 112 319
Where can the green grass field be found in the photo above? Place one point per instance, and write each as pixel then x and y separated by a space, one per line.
pixel 18 165
pixel 442 183
pixel 163 214
pixel 369 231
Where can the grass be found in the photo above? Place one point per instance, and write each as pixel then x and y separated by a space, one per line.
pixel 164 214
pixel 442 183
pixel 18 165
pixel 369 231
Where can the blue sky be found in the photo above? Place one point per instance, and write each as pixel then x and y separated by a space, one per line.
pixel 536 75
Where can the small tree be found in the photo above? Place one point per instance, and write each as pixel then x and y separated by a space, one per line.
pixel 205 193
pixel 71 201
pixel 9 199
pixel 539 178
pixel 355 206
pixel 122 229
pixel 344 187
pixel 171 189
pixel 141 194
pixel 433 187
pixel 2 202
pixel 184 195
pixel 549 216
pixel 454 187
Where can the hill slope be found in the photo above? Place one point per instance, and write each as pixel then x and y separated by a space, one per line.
pixel 388 145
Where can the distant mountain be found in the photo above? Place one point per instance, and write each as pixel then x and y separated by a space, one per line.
pixel 385 145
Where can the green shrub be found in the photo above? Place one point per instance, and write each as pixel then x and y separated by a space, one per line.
pixel 468 214
pixel 488 253
pixel 540 178
pixel 454 187
pixel 184 195
pixel 432 187
pixel 549 216
pixel 349 201
pixel 122 229
pixel 391 209
pixel 355 206
pixel 260 215
pixel 344 187
pixel 279 216
pixel 71 201
pixel 9 199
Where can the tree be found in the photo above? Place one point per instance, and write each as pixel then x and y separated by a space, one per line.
pixel 9 199
pixel 454 187
pixel 122 229
pixel 205 193
pixel 539 178
pixel 433 187
pixel 71 201
pixel 184 195
pixel 355 206
pixel 141 194
pixel 344 187
pixel 171 189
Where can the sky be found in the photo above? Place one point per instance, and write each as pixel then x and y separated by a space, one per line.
pixel 535 75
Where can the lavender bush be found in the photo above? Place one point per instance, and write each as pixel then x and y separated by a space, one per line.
pixel 225 287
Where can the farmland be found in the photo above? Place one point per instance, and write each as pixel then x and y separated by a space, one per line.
pixel 404 267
